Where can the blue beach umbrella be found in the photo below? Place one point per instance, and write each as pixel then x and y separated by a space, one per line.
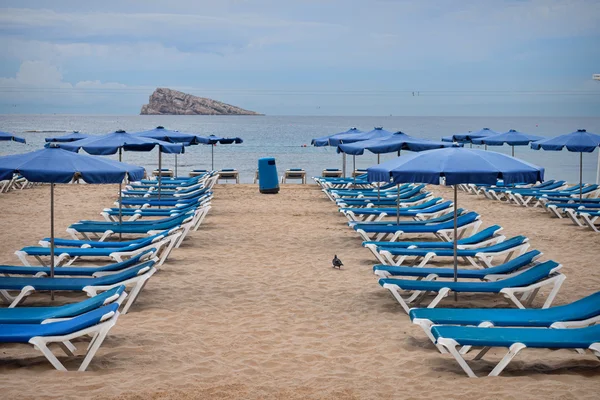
pixel 456 166
pixel 117 141
pixel 69 137
pixel 512 138
pixel 468 137
pixel 580 141
pixel 212 140
pixel 324 141
pixel 167 135
pixel 11 137
pixel 376 133
pixel 54 165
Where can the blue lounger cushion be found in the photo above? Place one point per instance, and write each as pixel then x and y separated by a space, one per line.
pixel 424 228
pixel 35 315
pixel 422 272
pixel 478 237
pixel 18 283
pixel 443 218
pixel 110 244
pixel 403 212
pixel 528 277
pixel 22 333
pixel 73 271
pixel 419 252
pixel 582 309
pixel 578 338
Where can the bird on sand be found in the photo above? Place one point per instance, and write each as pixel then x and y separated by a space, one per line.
pixel 336 262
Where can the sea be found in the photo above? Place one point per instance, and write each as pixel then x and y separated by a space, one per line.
pixel 288 138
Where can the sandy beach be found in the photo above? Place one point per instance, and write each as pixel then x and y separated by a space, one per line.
pixel 249 307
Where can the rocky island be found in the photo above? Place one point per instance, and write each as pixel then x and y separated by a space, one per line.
pixel 165 101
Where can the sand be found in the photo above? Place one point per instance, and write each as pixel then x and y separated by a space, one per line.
pixel 249 307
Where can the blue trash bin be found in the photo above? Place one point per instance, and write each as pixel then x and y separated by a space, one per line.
pixel 267 175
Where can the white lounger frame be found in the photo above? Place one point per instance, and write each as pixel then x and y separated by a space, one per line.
pixel 480 260
pixel 528 293
pixel 442 234
pixel 138 282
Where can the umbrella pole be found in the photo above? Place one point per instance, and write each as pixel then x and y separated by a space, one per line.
pixel 175 165
pixel 354 169
pixel 513 150
pixel 159 173
pixel 120 202
pixel 485 148
pixel 398 204
pixel 598 170
pixel 52 235
pixel 580 176
pixel 455 240
pixel 378 185
pixel 344 164
pixel 212 156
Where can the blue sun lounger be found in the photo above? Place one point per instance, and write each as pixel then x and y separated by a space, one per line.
pixel 96 323
pixel 444 230
pixel 146 202
pixel 104 230
pixel 488 236
pixel 161 245
pixel 431 273
pixel 526 283
pixel 442 218
pixel 481 257
pixel 515 339
pixel 387 201
pixel 431 209
pixel 37 315
pixel 91 270
pixel 580 313
pixel 135 276
pixel 407 193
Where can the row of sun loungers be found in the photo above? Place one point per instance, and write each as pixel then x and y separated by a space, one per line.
pixel 497 265
pixel 556 197
pixel 18 182
pixel 133 251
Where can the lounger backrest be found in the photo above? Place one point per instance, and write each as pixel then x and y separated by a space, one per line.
pixel 123 275
pixel 480 236
pixel 514 264
pixel 92 303
pixel 528 277
pixel 80 322
pixel 505 245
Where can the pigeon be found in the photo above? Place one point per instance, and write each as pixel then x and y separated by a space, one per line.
pixel 336 262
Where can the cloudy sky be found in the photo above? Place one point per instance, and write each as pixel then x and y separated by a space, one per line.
pixel 306 57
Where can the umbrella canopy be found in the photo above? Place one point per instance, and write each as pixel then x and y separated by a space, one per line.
pixel 103 145
pixel 55 165
pixel 376 133
pixel 456 165
pixel 398 141
pixel 580 141
pixel 167 135
pixel 512 138
pixel 324 140
pixel 213 140
pixel 468 137
pixel 448 139
pixel 10 136
pixel 69 137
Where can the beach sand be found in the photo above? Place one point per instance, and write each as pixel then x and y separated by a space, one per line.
pixel 249 307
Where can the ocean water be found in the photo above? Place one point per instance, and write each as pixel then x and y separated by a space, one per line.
pixel 288 139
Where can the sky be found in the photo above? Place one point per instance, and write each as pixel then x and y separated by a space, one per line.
pixel 309 57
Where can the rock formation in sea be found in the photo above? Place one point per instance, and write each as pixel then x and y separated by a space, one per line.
pixel 172 102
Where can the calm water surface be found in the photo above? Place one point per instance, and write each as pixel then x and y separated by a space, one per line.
pixel 284 137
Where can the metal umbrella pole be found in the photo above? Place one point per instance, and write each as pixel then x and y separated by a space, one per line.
pixel 344 164
pixel 455 240
pixel 354 169
pixel 212 156
pixel 159 173
pixel 513 150
pixel 378 185
pixel 580 176
pixel 52 236
pixel 120 202
pixel 175 165
pixel 598 170
pixel 398 204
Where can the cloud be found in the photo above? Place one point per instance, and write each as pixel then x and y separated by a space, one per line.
pixel 42 75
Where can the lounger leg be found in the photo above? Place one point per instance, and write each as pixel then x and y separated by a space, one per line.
pixel 512 352
pixel 450 345
pixel 426 325
pixel 97 342
pixel 69 349
pixel 466 349
pixel 40 344
pixel 481 353
pixel 394 290
pixel 441 294
pixel 26 291
pixel 134 294
pixel 373 249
